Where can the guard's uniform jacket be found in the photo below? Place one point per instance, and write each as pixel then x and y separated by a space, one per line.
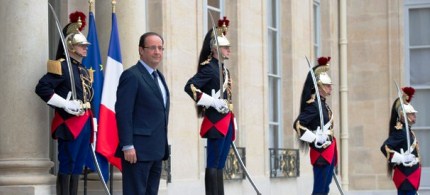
pixel 309 120
pixel 64 125
pixel 405 178
pixel 215 124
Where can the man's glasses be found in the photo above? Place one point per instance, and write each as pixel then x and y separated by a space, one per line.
pixel 153 48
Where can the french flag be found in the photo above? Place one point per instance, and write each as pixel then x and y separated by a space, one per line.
pixel 107 140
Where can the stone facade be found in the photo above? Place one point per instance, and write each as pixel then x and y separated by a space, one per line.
pixel 374 56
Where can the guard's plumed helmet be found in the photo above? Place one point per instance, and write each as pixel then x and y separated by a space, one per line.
pixel 396 108
pixel 321 71
pixel 407 95
pixel 221 31
pixel 72 33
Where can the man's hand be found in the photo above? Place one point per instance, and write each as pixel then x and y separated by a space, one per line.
pixel 130 155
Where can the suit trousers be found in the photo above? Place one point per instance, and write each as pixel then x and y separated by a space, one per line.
pixel 141 178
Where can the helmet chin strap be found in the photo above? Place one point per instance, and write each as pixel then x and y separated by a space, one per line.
pixel 78 54
pixel 75 54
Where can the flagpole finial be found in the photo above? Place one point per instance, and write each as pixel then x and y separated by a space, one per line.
pixel 113 6
pixel 91 2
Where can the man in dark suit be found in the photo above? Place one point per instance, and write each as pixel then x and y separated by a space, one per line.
pixel 142 110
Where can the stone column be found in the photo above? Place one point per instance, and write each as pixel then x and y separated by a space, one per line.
pixel 24 123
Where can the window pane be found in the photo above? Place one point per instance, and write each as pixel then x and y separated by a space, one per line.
pixel 419 67
pixel 420 103
pixel 317 28
pixel 274 101
pixel 213 3
pixel 424 142
pixel 216 16
pixel 419 21
pixel 274 135
pixel 272 14
pixel 273 67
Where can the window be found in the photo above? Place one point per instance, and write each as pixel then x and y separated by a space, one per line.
pixel 317 29
pixel 417 59
pixel 274 74
pixel 214 8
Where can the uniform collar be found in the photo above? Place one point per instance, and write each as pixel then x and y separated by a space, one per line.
pixel 75 61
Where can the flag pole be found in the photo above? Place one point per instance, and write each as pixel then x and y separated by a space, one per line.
pixel 113 6
pixel 110 165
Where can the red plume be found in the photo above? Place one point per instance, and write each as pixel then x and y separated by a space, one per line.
pixel 323 60
pixel 220 23
pixel 74 17
pixel 226 21
pixel 223 24
pixel 409 91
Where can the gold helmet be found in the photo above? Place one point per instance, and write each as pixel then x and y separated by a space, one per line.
pixel 221 31
pixel 321 70
pixel 76 38
pixel 407 95
pixel 72 33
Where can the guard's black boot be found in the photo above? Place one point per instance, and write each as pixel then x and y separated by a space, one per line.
pixel 211 185
pixel 74 183
pixel 63 184
pixel 220 181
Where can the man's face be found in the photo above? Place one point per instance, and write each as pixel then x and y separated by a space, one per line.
pixel 325 90
pixel 225 52
pixel 81 50
pixel 152 52
pixel 412 118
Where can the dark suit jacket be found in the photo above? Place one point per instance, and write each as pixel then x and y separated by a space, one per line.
pixel 141 115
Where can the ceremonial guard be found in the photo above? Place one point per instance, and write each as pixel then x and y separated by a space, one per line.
pixel 315 133
pixel 69 93
pixel 214 104
pixel 400 149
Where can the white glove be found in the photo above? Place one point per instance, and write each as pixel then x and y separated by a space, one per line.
pixel 404 158
pixel 321 137
pixel 70 106
pixel 211 101
pixel 409 158
pixel 220 105
pixel 308 136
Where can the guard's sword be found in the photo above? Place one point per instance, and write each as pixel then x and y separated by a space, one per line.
pixel 317 93
pixel 244 168
pixel 73 87
pixel 408 139
pixel 66 52
pixel 219 56
pixel 220 96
